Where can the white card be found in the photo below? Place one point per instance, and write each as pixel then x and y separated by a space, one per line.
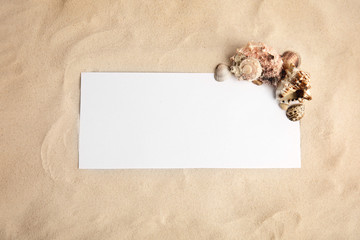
pixel 182 120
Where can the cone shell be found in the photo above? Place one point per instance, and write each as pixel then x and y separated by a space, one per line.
pixel 295 112
pixel 290 57
pixel 222 72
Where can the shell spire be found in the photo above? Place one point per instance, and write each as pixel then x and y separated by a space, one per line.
pixel 248 69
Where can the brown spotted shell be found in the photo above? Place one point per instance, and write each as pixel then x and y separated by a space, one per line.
pixel 295 112
pixel 290 57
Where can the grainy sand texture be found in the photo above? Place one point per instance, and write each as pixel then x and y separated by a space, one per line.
pixel 46 44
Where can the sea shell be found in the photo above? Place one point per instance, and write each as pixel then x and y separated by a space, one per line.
pixel 294 87
pixel 284 106
pixel 222 72
pixel 290 57
pixel 270 62
pixel 295 112
pixel 247 69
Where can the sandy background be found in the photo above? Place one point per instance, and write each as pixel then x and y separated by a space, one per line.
pixel 46 44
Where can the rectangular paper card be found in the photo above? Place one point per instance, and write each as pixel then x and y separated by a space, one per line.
pixel 182 120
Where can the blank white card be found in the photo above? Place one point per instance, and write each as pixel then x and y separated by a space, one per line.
pixel 182 120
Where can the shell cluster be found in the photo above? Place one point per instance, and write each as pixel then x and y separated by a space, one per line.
pixel 259 64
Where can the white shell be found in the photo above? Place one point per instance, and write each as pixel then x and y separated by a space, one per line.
pixel 246 68
pixel 222 72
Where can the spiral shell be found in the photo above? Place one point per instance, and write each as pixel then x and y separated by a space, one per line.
pixel 269 60
pixel 295 112
pixel 290 57
pixel 247 69
pixel 222 72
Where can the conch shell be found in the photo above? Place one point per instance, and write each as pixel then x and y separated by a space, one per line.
pixel 257 63
pixel 295 87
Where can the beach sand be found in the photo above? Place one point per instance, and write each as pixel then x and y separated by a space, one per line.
pixel 44 47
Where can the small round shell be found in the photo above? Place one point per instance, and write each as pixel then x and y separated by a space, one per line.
pixel 290 57
pixel 222 72
pixel 295 112
pixel 249 69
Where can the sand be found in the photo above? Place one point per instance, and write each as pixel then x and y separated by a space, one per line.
pixel 46 44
